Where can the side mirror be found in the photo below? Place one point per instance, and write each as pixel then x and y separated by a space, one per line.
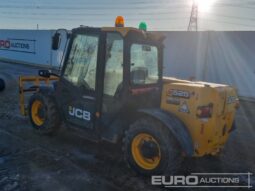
pixel 56 41
pixel 44 73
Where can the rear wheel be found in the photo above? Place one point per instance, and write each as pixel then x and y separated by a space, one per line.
pixel 43 114
pixel 150 148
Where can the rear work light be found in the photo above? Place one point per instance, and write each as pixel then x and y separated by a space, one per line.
pixel 205 111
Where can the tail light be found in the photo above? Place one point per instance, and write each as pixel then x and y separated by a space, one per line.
pixel 205 111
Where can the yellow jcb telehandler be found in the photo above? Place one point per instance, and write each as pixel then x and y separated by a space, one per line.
pixel 111 87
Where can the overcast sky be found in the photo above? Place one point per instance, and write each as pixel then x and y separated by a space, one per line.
pixel 158 14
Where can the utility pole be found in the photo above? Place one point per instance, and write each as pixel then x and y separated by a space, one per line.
pixel 193 17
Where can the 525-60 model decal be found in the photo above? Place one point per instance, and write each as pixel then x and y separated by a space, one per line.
pixel 79 113
pixel 179 93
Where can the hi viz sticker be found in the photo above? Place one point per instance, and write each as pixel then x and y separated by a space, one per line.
pixel 184 108
pixel 79 113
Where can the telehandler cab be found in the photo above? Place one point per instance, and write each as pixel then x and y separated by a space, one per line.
pixel 111 87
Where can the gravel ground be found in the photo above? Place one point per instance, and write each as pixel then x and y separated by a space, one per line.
pixel 69 162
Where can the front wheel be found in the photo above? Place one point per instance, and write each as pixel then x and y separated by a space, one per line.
pixel 43 114
pixel 150 149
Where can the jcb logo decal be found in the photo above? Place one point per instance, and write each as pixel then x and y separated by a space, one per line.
pixel 79 113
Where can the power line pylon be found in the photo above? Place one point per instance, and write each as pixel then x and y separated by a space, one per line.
pixel 193 17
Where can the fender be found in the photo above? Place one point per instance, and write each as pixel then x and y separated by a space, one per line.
pixel 179 131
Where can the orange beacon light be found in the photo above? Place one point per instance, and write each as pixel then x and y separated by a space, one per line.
pixel 119 22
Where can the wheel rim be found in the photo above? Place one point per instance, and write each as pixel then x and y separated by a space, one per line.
pixel 37 113
pixel 137 147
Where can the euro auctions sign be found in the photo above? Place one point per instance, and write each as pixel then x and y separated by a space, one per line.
pixel 18 45
pixel 205 180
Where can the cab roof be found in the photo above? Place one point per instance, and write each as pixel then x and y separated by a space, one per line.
pixel 124 31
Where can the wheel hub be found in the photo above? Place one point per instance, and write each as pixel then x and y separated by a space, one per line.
pixel 146 151
pixel 149 149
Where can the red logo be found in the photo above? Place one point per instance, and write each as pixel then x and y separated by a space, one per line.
pixel 5 44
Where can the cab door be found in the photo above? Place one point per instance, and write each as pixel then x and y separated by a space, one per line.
pixel 77 87
pixel 112 101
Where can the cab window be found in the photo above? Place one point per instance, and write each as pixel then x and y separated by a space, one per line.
pixel 144 64
pixel 82 62
pixel 114 63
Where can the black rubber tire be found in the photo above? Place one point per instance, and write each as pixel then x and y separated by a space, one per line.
pixel 52 120
pixel 171 158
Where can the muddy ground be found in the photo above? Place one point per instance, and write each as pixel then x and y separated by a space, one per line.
pixel 69 162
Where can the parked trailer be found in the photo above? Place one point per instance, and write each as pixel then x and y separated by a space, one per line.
pixel 31 47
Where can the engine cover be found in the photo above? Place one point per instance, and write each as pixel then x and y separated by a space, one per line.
pixel 207 110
